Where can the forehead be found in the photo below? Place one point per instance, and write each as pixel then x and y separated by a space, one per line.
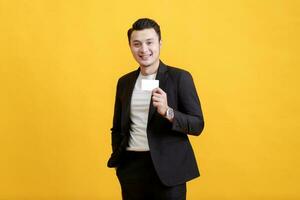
pixel 143 35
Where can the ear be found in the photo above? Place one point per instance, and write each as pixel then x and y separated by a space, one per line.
pixel 160 43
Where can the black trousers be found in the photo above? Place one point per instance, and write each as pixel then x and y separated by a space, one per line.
pixel 139 181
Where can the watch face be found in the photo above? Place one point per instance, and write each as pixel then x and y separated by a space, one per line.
pixel 170 113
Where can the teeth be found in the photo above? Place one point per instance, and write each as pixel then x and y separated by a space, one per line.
pixel 144 57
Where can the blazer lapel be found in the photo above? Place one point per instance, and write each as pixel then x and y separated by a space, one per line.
pixel 162 77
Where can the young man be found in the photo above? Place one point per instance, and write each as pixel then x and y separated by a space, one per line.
pixel 151 150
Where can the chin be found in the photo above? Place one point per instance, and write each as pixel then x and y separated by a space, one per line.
pixel 146 64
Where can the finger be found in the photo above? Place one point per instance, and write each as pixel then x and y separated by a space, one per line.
pixel 156 99
pixel 157 104
pixel 158 90
pixel 157 95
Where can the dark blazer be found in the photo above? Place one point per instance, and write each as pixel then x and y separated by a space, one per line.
pixel 170 148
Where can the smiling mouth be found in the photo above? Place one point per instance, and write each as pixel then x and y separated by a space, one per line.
pixel 145 57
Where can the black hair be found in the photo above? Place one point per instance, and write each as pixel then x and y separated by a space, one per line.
pixel 144 23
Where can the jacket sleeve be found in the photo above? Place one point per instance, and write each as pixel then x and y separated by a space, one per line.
pixel 188 118
pixel 116 137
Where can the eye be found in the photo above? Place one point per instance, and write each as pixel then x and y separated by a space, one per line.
pixel 149 43
pixel 136 44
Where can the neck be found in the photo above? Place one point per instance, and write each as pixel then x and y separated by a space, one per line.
pixel 148 70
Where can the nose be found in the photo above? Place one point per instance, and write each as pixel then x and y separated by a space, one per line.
pixel 143 48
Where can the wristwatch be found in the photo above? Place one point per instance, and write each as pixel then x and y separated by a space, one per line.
pixel 170 113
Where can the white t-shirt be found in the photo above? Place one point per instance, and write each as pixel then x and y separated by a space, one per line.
pixel 139 111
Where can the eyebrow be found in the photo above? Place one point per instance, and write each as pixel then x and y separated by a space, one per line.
pixel 149 39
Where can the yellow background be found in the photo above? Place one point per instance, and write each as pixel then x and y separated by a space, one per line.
pixel 59 63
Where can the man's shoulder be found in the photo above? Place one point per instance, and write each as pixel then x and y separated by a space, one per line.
pixel 177 71
pixel 128 76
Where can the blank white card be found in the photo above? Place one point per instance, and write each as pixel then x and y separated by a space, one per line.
pixel 149 85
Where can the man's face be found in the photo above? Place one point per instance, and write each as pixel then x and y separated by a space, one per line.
pixel 145 47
